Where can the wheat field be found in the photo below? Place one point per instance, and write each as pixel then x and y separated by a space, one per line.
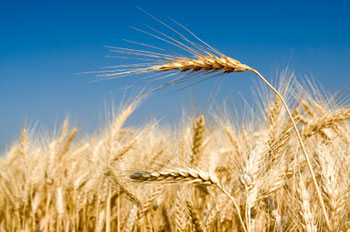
pixel 282 167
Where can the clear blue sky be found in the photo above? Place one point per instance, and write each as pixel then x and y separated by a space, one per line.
pixel 44 43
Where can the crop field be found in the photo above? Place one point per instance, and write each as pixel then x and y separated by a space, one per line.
pixel 284 166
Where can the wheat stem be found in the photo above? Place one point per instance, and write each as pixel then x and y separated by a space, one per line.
pixel 301 144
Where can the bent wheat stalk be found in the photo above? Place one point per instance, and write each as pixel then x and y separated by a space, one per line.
pixel 319 194
pixel 186 176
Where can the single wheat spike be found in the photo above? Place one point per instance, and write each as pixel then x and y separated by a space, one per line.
pixel 330 176
pixel 180 213
pixel 317 125
pixel 305 212
pixel 197 143
pixel 67 143
pixel 207 63
pixel 176 176
pixel 218 206
pixel 195 218
pixel 147 205
pixel 186 176
pixel 23 146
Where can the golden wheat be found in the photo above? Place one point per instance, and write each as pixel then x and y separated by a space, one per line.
pixel 218 174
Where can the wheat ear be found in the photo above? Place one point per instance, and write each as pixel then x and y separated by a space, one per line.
pixel 147 205
pixel 186 176
pixel 197 143
pixel 195 218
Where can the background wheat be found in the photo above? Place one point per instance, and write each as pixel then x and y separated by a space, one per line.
pixel 72 182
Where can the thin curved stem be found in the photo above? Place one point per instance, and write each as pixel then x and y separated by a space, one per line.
pixel 235 204
pixel 301 144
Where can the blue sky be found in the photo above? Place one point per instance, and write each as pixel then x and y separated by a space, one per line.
pixel 43 44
